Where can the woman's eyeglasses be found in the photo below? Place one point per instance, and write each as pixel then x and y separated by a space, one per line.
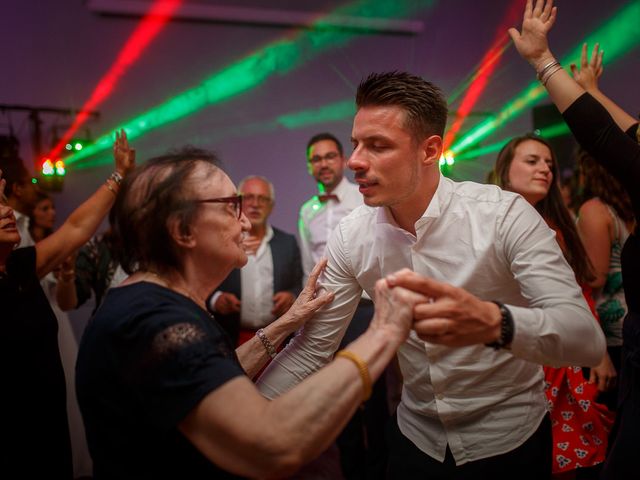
pixel 235 200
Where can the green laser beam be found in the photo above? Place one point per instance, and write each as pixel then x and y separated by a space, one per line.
pixel 620 35
pixel 277 58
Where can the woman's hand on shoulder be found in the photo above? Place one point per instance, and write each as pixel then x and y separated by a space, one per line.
pixel 311 299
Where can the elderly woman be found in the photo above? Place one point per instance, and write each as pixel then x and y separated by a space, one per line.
pixel 609 134
pixel 34 413
pixel 162 392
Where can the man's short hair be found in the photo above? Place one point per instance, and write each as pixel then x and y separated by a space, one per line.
pixel 423 102
pixel 324 136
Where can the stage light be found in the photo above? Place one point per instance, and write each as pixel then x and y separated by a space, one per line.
pixel 74 145
pixel 52 173
pixel 47 167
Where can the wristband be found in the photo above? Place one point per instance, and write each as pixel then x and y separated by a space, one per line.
pixel 362 369
pixel 507 329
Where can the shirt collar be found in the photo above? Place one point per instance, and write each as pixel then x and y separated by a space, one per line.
pixel 434 209
pixel 21 218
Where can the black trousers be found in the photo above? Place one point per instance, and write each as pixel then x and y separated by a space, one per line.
pixel 530 461
pixel 362 444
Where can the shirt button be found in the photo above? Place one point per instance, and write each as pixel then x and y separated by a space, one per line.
pixel 440 396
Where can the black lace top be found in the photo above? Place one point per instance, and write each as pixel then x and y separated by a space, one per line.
pixel 145 361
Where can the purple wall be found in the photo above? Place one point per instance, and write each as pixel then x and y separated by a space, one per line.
pixel 54 53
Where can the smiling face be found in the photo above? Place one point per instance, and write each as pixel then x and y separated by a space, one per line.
pixel 44 214
pixel 531 171
pixel 216 230
pixel 326 163
pixel 391 167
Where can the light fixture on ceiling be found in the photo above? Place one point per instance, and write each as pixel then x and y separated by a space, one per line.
pixel 261 16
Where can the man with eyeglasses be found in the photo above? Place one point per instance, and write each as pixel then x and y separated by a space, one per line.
pixel 21 191
pixel 362 444
pixel 264 289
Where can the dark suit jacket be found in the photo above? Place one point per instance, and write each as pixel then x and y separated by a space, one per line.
pixel 287 276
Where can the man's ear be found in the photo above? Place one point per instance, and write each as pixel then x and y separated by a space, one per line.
pixel 432 148
pixel 181 235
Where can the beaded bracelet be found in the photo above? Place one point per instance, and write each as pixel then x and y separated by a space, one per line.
pixel 362 369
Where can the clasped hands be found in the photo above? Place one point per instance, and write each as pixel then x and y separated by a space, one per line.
pixel 438 312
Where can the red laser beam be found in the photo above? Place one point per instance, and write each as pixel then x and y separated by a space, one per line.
pixel 488 65
pixel 153 22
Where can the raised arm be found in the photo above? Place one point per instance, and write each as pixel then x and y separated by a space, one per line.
pixel 587 77
pixel 532 45
pixel 85 220
pixel 598 127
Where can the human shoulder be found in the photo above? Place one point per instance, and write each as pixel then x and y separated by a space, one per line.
pixel 480 192
pixel 594 213
pixel 593 207
pixel 282 236
pixel 147 304
pixel 310 206
pixel 277 233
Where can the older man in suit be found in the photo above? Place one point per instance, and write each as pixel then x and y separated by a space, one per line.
pixel 267 286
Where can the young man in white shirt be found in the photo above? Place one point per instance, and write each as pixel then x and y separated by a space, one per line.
pixel 496 277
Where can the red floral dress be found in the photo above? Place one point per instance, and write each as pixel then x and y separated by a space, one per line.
pixel 580 426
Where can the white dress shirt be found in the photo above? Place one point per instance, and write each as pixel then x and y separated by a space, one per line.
pixel 318 220
pixel 22 223
pixel 480 401
pixel 256 283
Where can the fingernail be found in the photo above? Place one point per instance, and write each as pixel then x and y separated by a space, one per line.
pixel 391 278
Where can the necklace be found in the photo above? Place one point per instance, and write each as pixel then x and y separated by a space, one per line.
pixel 183 291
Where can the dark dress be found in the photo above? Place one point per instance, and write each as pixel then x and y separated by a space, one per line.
pixel 146 360
pixel 597 133
pixel 34 420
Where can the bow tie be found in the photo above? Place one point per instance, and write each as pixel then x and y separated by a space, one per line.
pixel 328 196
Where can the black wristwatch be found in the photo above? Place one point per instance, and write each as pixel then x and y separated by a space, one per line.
pixel 507 328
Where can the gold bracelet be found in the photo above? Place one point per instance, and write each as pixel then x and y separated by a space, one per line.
pixel 268 346
pixel 363 369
